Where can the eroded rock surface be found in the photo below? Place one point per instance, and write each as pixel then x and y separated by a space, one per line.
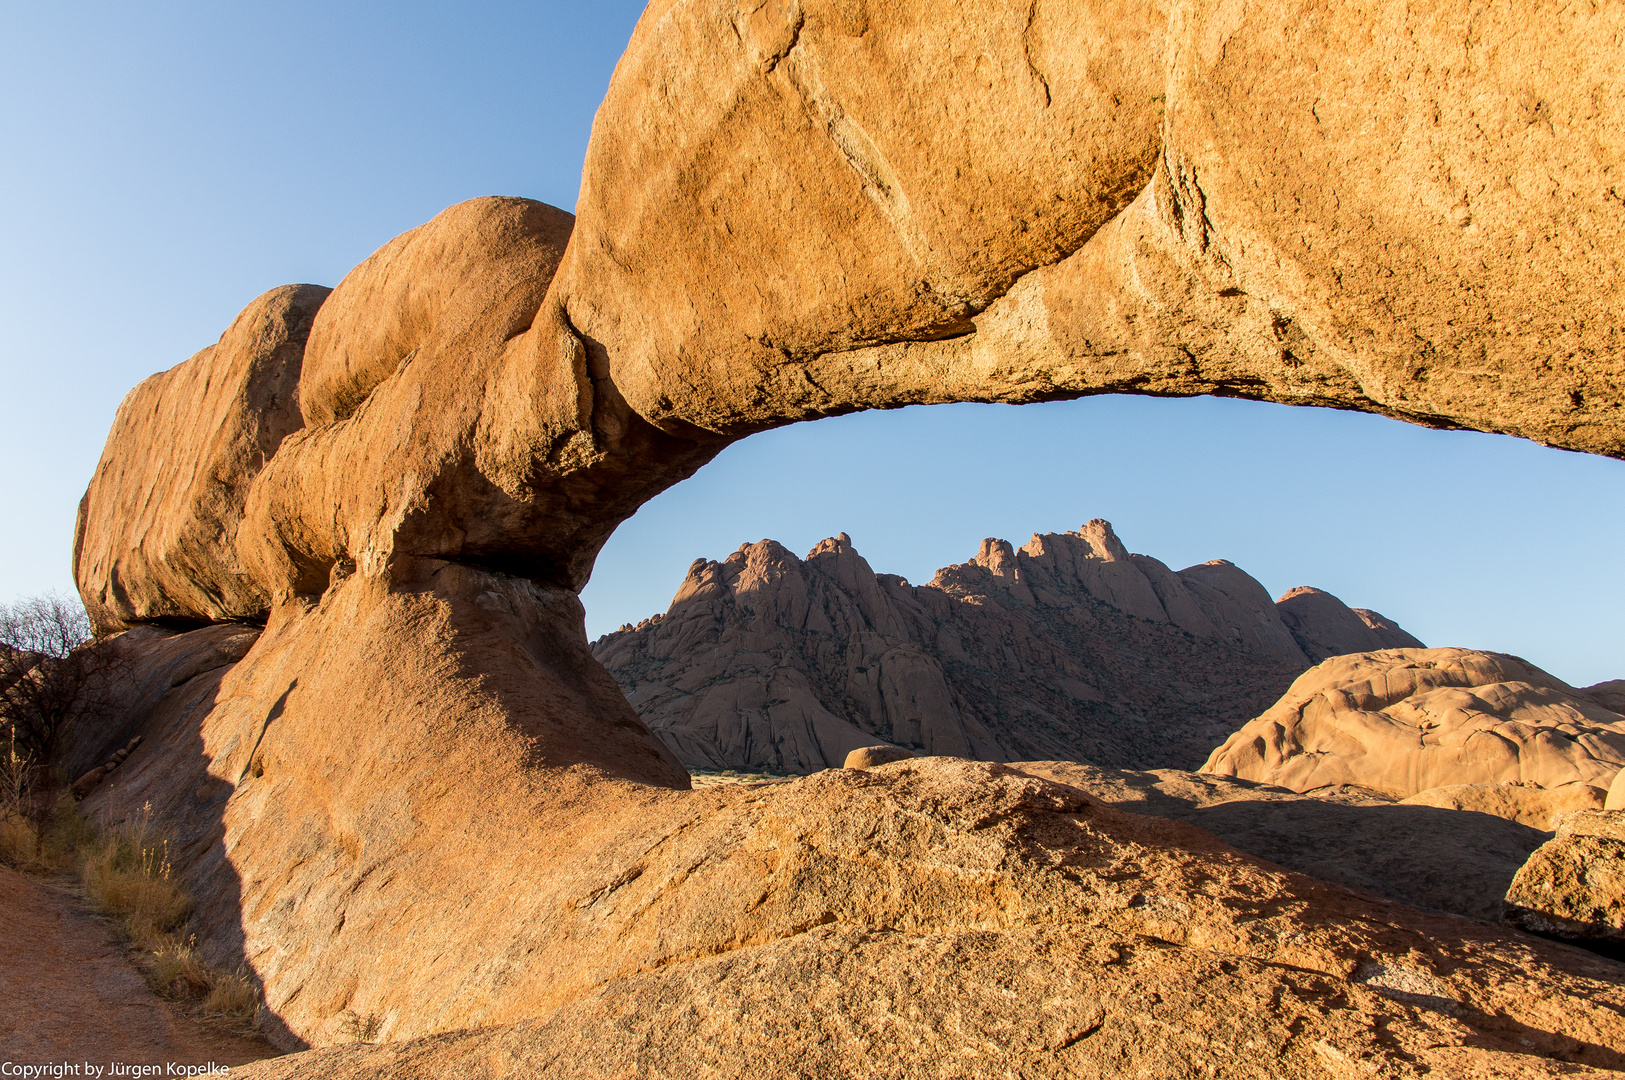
pixel 1069 647
pixel 1194 216
pixel 1573 887
pixel 685 914
pixel 145 665
pixel 1520 801
pixel 456 415
pixel 1406 720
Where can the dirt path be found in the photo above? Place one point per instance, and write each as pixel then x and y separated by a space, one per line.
pixel 69 993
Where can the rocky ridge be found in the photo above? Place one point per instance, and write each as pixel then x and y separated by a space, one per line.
pixel 1070 647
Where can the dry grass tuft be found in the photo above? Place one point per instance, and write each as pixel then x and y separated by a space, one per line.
pixel 233 995
pixel 18 841
pixel 66 832
pixel 128 875
pixel 176 970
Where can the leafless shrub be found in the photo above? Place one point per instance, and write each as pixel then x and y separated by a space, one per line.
pixel 43 671
pixel 51 674
pixel 362 1028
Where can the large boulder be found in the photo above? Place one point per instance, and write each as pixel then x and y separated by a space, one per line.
pixel 1573 887
pixel 848 205
pixel 836 174
pixel 458 416
pixel 1528 804
pixel 1402 721
pixel 158 525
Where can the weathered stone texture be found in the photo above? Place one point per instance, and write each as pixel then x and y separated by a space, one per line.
pixel 418 797
pixel 158 525
pixel 1573 887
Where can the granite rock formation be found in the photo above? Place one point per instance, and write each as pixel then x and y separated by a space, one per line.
pixel 1069 647
pixel 652 894
pixel 1573 887
pixel 1610 695
pixel 1164 199
pixel 157 531
pixel 418 797
pixel 1403 721
pixel 1515 800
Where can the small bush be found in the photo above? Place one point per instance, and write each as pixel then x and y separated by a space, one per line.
pixel 19 832
pixel 362 1028
pixel 24 847
pixel 66 834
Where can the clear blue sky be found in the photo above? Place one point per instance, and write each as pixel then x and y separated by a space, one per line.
pixel 166 163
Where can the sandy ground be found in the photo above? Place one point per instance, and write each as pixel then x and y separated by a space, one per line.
pixel 69 993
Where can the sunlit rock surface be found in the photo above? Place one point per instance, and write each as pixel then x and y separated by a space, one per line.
pixel 417 798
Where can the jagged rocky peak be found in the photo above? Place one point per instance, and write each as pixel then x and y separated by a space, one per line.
pixel 1069 647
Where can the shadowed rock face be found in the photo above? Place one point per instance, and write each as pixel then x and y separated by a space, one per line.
pixel 1068 648
pixel 1324 626
pixel 1421 854
pixel 418 797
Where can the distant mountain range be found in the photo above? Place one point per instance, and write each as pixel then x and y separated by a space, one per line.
pixel 1068 648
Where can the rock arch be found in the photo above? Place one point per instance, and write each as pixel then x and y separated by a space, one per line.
pixel 791 209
